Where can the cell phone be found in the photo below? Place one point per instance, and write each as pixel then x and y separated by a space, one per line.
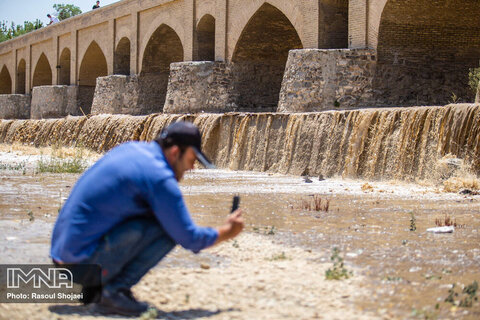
pixel 236 203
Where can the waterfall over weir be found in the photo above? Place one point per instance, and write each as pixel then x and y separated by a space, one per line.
pixel 394 143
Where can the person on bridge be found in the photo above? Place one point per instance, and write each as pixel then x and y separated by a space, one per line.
pixel 53 19
pixel 127 212
pixel 96 5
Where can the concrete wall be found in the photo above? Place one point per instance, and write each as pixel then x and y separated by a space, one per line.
pixel 14 106
pixel 317 80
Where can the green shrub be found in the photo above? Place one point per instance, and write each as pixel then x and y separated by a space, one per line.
pixel 338 271
pixel 56 164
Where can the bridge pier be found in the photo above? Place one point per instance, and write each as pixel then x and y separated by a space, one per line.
pixel 14 106
pixel 202 86
pixel 314 80
pixel 317 80
pixel 117 94
pixel 54 102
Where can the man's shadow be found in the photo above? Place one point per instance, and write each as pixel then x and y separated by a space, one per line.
pixel 88 310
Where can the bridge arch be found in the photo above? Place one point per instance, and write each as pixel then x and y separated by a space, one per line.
pixel 21 77
pixel 205 39
pixel 250 8
pixel 425 51
pixel 163 48
pixel 64 70
pixel 260 56
pixel 122 32
pixel 94 65
pixel 5 81
pixel 154 28
pixel 42 76
pixel 121 63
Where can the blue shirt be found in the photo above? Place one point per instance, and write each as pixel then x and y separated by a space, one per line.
pixel 132 180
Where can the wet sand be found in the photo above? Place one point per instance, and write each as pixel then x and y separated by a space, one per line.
pixel 276 269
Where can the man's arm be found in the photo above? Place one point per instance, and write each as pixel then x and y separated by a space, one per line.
pixel 231 228
pixel 167 203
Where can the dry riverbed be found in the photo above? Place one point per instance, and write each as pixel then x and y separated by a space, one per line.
pixel 254 277
pixel 276 268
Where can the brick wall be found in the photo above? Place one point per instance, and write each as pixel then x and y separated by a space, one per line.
pixel 259 59
pixel 425 51
pixel 5 81
pixel 333 24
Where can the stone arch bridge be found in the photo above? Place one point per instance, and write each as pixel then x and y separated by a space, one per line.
pixel 144 56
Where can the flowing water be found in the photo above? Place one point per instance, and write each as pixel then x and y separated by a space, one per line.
pixel 370 222
pixel 397 143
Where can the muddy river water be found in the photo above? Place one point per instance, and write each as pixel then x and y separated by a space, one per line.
pixel 407 273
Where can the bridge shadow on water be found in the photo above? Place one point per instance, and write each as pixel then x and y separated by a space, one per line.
pixel 89 310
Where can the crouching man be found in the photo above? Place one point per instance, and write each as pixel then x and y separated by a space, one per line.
pixel 126 213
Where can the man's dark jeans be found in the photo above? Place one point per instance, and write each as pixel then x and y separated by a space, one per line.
pixel 128 251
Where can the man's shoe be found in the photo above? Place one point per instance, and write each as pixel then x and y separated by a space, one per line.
pixel 91 294
pixel 120 302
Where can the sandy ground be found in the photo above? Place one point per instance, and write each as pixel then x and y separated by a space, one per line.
pixel 254 277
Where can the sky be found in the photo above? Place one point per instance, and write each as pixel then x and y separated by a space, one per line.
pixel 19 11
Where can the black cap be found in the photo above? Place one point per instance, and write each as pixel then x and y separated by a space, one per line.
pixel 184 134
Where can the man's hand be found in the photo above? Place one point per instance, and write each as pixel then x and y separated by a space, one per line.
pixel 231 228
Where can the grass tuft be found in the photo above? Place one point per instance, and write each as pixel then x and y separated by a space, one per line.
pixel 278 257
pixel 57 164
pixel 466 298
pixel 316 203
pixel 338 272
pixel 447 221
pixel 14 167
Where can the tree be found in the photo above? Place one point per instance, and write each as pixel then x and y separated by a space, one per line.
pixel 7 33
pixel 65 11
pixel 3 31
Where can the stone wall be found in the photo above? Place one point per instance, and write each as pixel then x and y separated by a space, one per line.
pixel 54 101
pixel 314 80
pixel 116 95
pixel 196 87
pixel 14 106
pixel 135 95
pixel 317 80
